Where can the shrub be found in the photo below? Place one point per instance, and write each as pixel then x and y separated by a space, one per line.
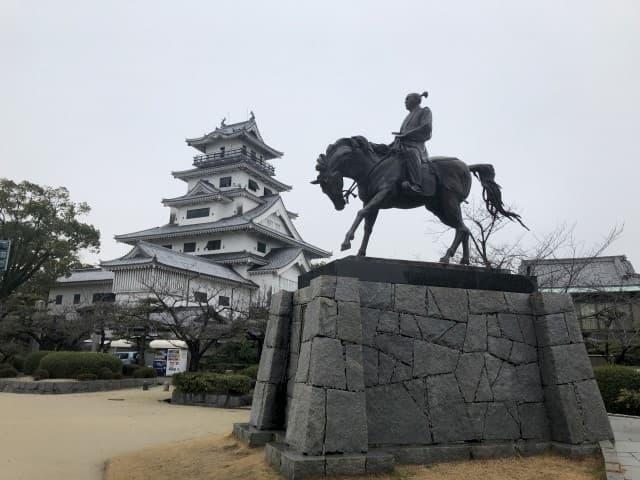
pixel 127 370
pixel 40 374
pixel 629 400
pixel 251 371
pixel 32 361
pixel 612 379
pixel 83 377
pixel 207 382
pixel 7 371
pixel 105 374
pixel 144 372
pixel 72 364
pixel 18 362
pixel 117 376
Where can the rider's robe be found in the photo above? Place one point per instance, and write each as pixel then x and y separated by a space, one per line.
pixel 420 121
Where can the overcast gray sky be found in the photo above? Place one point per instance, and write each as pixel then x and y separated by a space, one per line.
pixel 99 97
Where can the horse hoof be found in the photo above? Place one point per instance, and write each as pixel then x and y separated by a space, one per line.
pixel 444 260
pixel 345 246
pixel 464 261
pixel 362 254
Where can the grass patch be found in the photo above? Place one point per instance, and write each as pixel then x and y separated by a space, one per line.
pixel 218 458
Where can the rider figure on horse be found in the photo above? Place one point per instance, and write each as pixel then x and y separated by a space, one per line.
pixel 414 132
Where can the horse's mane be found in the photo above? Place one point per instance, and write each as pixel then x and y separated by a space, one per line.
pixel 357 142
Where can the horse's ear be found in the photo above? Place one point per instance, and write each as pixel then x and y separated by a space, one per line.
pixel 314 182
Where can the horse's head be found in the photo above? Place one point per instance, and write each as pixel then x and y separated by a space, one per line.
pixel 331 171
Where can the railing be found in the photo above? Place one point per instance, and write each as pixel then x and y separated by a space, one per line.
pixel 226 157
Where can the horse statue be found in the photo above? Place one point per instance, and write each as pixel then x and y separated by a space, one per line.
pixel 377 171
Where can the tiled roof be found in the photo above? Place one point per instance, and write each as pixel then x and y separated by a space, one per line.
pixel 87 275
pixel 236 257
pixel 610 271
pixel 278 258
pixel 145 252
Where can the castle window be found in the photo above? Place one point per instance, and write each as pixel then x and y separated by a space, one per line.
pixel 214 245
pixel 267 192
pixel 224 301
pixel 225 182
pixel 58 299
pixel 198 212
pixel 253 185
pixel 168 246
pixel 103 297
pixel 222 151
pixel 189 247
pixel 76 298
pixel 200 297
pixel 262 247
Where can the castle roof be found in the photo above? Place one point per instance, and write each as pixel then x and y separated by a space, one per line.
pixel 247 131
pixel 87 275
pixel 278 258
pixel 144 253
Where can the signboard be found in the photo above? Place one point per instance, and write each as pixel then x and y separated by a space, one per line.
pixel 5 246
pixel 176 361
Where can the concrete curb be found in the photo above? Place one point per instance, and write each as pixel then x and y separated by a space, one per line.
pixel 45 387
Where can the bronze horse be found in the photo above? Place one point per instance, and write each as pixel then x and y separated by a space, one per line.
pixel 378 172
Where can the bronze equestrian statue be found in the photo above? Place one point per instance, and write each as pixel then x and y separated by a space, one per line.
pixel 401 175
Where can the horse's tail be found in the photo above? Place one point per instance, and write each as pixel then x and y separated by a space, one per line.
pixel 491 192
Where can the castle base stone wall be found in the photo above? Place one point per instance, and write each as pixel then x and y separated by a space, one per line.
pixel 357 375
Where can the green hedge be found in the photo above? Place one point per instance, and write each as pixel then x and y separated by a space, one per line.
pixel 72 364
pixel 7 371
pixel 218 383
pixel 612 379
pixel 32 361
pixel 40 374
pixel 251 371
pixel 144 372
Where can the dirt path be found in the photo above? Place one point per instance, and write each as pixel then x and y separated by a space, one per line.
pixel 69 437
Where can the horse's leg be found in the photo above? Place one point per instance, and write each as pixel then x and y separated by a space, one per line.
pixel 371 205
pixel 369 222
pixel 451 215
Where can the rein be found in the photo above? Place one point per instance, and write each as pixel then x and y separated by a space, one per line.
pixel 346 194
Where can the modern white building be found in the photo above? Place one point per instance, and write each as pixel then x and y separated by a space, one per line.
pixel 229 233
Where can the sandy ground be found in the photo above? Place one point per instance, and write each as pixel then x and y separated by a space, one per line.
pixel 70 437
pixel 223 458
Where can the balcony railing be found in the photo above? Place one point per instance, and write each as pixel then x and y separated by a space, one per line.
pixel 231 156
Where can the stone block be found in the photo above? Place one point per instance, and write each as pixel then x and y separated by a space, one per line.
pixel 499 424
pixel 446 453
pixel 548 303
pixel 447 411
pixel 433 328
pixel 454 337
pixel 273 454
pixel 570 362
pixel 320 318
pixel 574 451
pixel 573 327
pixel 418 391
pixel 448 303
pixel 295 466
pixel 518 302
pixel 477 413
pixel 401 372
pixel 410 299
pixel 506 386
pixel 533 421
pixel 396 346
pixel 323 286
pixel 523 353
pixel 476 338
pixel 376 295
pixel 409 326
pixel 528 448
pixel 273 364
pixel 551 329
pixel 486 301
pixel 327 365
pixel 292 366
pixel 468 372
pixel 565 419
pixel 302 296
pixel 281 303
pixel 349 324
pixel 346 430
pixel 493 327
pixel 304 360
pixel 386 365
pixel 594 415
pixel 394 418
pixel 370 356
pixel 388 322
pixel 347 289
pixel 528 329
pixel 346 464
pixel 432 359
pixel 267 409
pixel 500 347
pixel 492 450
pixel 369 318
pixel 379 462
pixel 252 436
pixel 483 392
pixel 529 384
pixel 306 428
pixel 277 332
pixel 355 367
pixel 510 326
pixel 295 337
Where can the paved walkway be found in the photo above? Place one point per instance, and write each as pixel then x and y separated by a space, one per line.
pixel 622 460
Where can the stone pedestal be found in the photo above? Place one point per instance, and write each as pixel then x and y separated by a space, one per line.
pixel 358 374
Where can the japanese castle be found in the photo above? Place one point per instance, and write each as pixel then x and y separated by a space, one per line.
pixel 229 232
